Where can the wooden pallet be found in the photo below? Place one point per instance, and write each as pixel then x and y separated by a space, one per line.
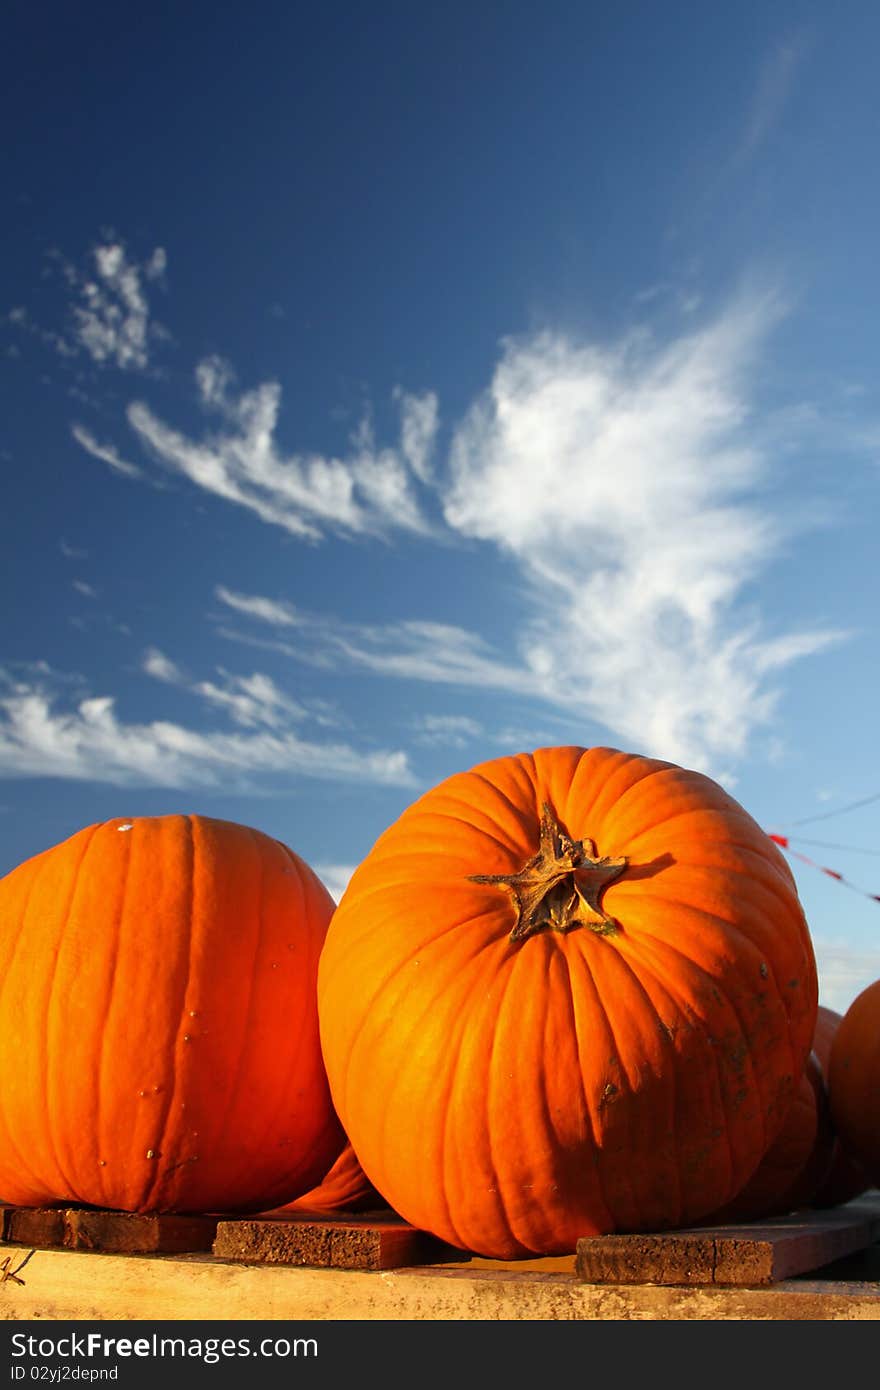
pixel 745 1254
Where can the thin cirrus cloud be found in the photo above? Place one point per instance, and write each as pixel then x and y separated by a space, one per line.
pixel 442 653
pixel 772 91
pixel 629 483
pixel 107 453
pixel 251 701
pixel 370 492
pixel 44 734
pixel 629 486
pixel 277 612
pixel 630 490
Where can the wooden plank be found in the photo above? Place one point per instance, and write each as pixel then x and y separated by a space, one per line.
pixel 127 1233
pixel 42 1227
pixel 87 1228
pixel 327 1242
pixel 745 1254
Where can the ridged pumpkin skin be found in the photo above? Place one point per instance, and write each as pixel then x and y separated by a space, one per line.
pixel 797 1162
pixel 512 1095
pixel 346 1187
pixel 854 1080
pixel 846 1178
pixel 158 1017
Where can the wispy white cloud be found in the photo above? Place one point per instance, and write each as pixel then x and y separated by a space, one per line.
pixel 372 491
pixel 772 91
pixel 111 316
pixel 418 430
pixel 107 453
pixel 416 650
pixel 87 741
pixel 87 590
pixel 162 668
pixel 251 700
pixel 108 312
pixel 450 730
pixel 278 613
pixel 627 486
pixel 70 552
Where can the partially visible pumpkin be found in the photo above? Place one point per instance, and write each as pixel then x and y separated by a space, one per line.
pixel 846 1178
pixel 798 1160
pixel 158 1020
pixel 854 1080
pixel 345 1188
pixel 566 993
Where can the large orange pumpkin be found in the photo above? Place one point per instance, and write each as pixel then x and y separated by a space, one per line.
pixel 566 993
pixel 846 1178
pixel 158 1020
pixel 854 1080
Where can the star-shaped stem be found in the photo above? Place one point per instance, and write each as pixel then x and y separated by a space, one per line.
pixel 560 886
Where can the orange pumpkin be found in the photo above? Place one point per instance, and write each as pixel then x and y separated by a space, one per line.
pixel 566 993
pixel 158 1013
pixel 854 1080
pixel 846 1178
pixel 345 1187
pixel 797 1162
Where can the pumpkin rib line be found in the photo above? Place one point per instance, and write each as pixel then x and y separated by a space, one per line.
pixel 469 808
pixel 303 917
pixel 588 777
pixel 159 1177
pixel 452 1074
pixel 463 1019
pixel 726 925
pixel 588 1109
pixel 52 984
pixel 735 1012
pixel 491 1068
pixel 638 945
pixel 426 815
pixel 623 957
pixel 109 1006
pixel 624 1073
pixel 382 984
pixel 726 840
pixel 499 791
pixel 770 881
pixel 231 1172
pixel 20 1155
pixel 551 967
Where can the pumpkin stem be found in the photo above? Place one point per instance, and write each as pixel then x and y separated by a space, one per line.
pixel 560 886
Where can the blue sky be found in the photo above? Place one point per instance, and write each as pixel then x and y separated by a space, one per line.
pixel 392 387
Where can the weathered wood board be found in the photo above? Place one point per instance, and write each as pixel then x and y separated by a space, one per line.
pixel 745 1253
pixel 89 1228
pixel 362 1241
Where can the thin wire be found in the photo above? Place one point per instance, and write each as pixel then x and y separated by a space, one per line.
pixel 826 815
pixel 825 844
